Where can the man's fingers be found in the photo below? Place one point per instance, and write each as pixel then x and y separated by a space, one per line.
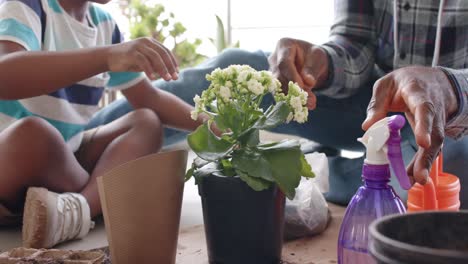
pixel 287 65
pixel 414 171
pixel 424 118
pixel 426 156
pixel 311 100
pixel 410 169
pixel 379 103
pixel 284 82
pixel 309 80
pixel 315 67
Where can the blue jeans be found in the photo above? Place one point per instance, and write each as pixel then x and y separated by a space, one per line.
pixel 334 123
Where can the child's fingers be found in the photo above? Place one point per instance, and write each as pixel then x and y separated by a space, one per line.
pixel 165 58
pixel 174 61
pixel 143 63
pixel 157 63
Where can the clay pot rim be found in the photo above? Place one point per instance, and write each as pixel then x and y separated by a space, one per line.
pixel 376 235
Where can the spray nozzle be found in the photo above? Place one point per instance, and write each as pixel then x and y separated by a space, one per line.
pixel 395 123
pixel 383 146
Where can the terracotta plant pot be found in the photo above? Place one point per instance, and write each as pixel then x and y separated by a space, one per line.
pixel 241 225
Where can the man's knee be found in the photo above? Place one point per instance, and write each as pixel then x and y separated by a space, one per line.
pixel 257 59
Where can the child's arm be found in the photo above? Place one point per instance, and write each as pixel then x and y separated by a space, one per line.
pixel 25 74
pixel 172 111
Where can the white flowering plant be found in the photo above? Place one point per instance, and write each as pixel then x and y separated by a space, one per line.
pixel 233 103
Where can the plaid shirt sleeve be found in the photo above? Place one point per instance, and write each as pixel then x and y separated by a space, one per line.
pixel 351 48
pixel 457 126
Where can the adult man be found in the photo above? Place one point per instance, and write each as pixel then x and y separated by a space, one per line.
pixel 362 48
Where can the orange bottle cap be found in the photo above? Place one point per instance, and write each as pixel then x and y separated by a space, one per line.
pixel 441 192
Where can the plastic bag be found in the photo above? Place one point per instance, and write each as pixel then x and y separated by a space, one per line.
pixel 308 213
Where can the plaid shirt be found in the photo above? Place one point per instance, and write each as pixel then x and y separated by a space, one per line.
pixel 361 41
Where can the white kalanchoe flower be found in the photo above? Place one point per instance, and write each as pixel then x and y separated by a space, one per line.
pixel 225 93
pixel 255 87
pixel 197 100
pixel 301 116
pixel 231 70
pixel 278 85
pixel 257 76
pixel 242 77
pixel 216 72
pixel 272 88
pixel 296 103
pixel 294 89
pixel 228 84
pixel 194 114
pixel 303 95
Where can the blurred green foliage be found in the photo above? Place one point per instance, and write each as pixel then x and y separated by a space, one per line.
pixel 221 41
pixel 153 20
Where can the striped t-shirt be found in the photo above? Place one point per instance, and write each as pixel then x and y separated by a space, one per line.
pixel 44 25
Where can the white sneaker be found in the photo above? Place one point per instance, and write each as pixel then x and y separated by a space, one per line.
pixel 51 218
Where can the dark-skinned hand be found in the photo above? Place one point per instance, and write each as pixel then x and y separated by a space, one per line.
pixel 428 99
pixel 301 62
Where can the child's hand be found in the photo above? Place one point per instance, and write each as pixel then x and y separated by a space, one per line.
pixel 143 54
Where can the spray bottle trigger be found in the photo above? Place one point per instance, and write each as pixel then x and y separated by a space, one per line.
pixel 395 157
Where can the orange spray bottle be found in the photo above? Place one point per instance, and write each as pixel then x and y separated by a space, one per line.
pixel 441 192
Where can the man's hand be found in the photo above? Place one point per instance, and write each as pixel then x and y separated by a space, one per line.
pixel 428 99
pixel 300 62
pixel 143 54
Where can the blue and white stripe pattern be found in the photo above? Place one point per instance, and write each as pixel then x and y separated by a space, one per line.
pixel 68 109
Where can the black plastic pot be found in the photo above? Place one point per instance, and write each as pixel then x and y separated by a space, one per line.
pixel 428 237
pixel 242 226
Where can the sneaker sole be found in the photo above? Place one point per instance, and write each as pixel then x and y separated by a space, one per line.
pixel 35 218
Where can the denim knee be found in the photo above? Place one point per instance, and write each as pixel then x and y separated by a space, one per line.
pixel 257 59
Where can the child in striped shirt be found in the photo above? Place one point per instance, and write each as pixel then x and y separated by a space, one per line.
pixel 56 59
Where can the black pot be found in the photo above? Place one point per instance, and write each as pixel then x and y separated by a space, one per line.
pixel 242 226
pixel 428 237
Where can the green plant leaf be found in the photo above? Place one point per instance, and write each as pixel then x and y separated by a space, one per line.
pixel 198 162
pixel 206 170
pixel 189 174
pixel 283 144
pixel 285 165
pixel 228 169
pixel 274 116
pixel 220 36
pixel 252 162
pixel 306 169
pixel 230 116
pixel 255 183
pixel 207 145
pixel 219 120
pixel 250 138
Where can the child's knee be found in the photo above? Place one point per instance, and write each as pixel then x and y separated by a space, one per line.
pixel 33 133
pixel 148 125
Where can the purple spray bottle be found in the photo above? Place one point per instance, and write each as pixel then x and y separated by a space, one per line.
pixel 376 198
